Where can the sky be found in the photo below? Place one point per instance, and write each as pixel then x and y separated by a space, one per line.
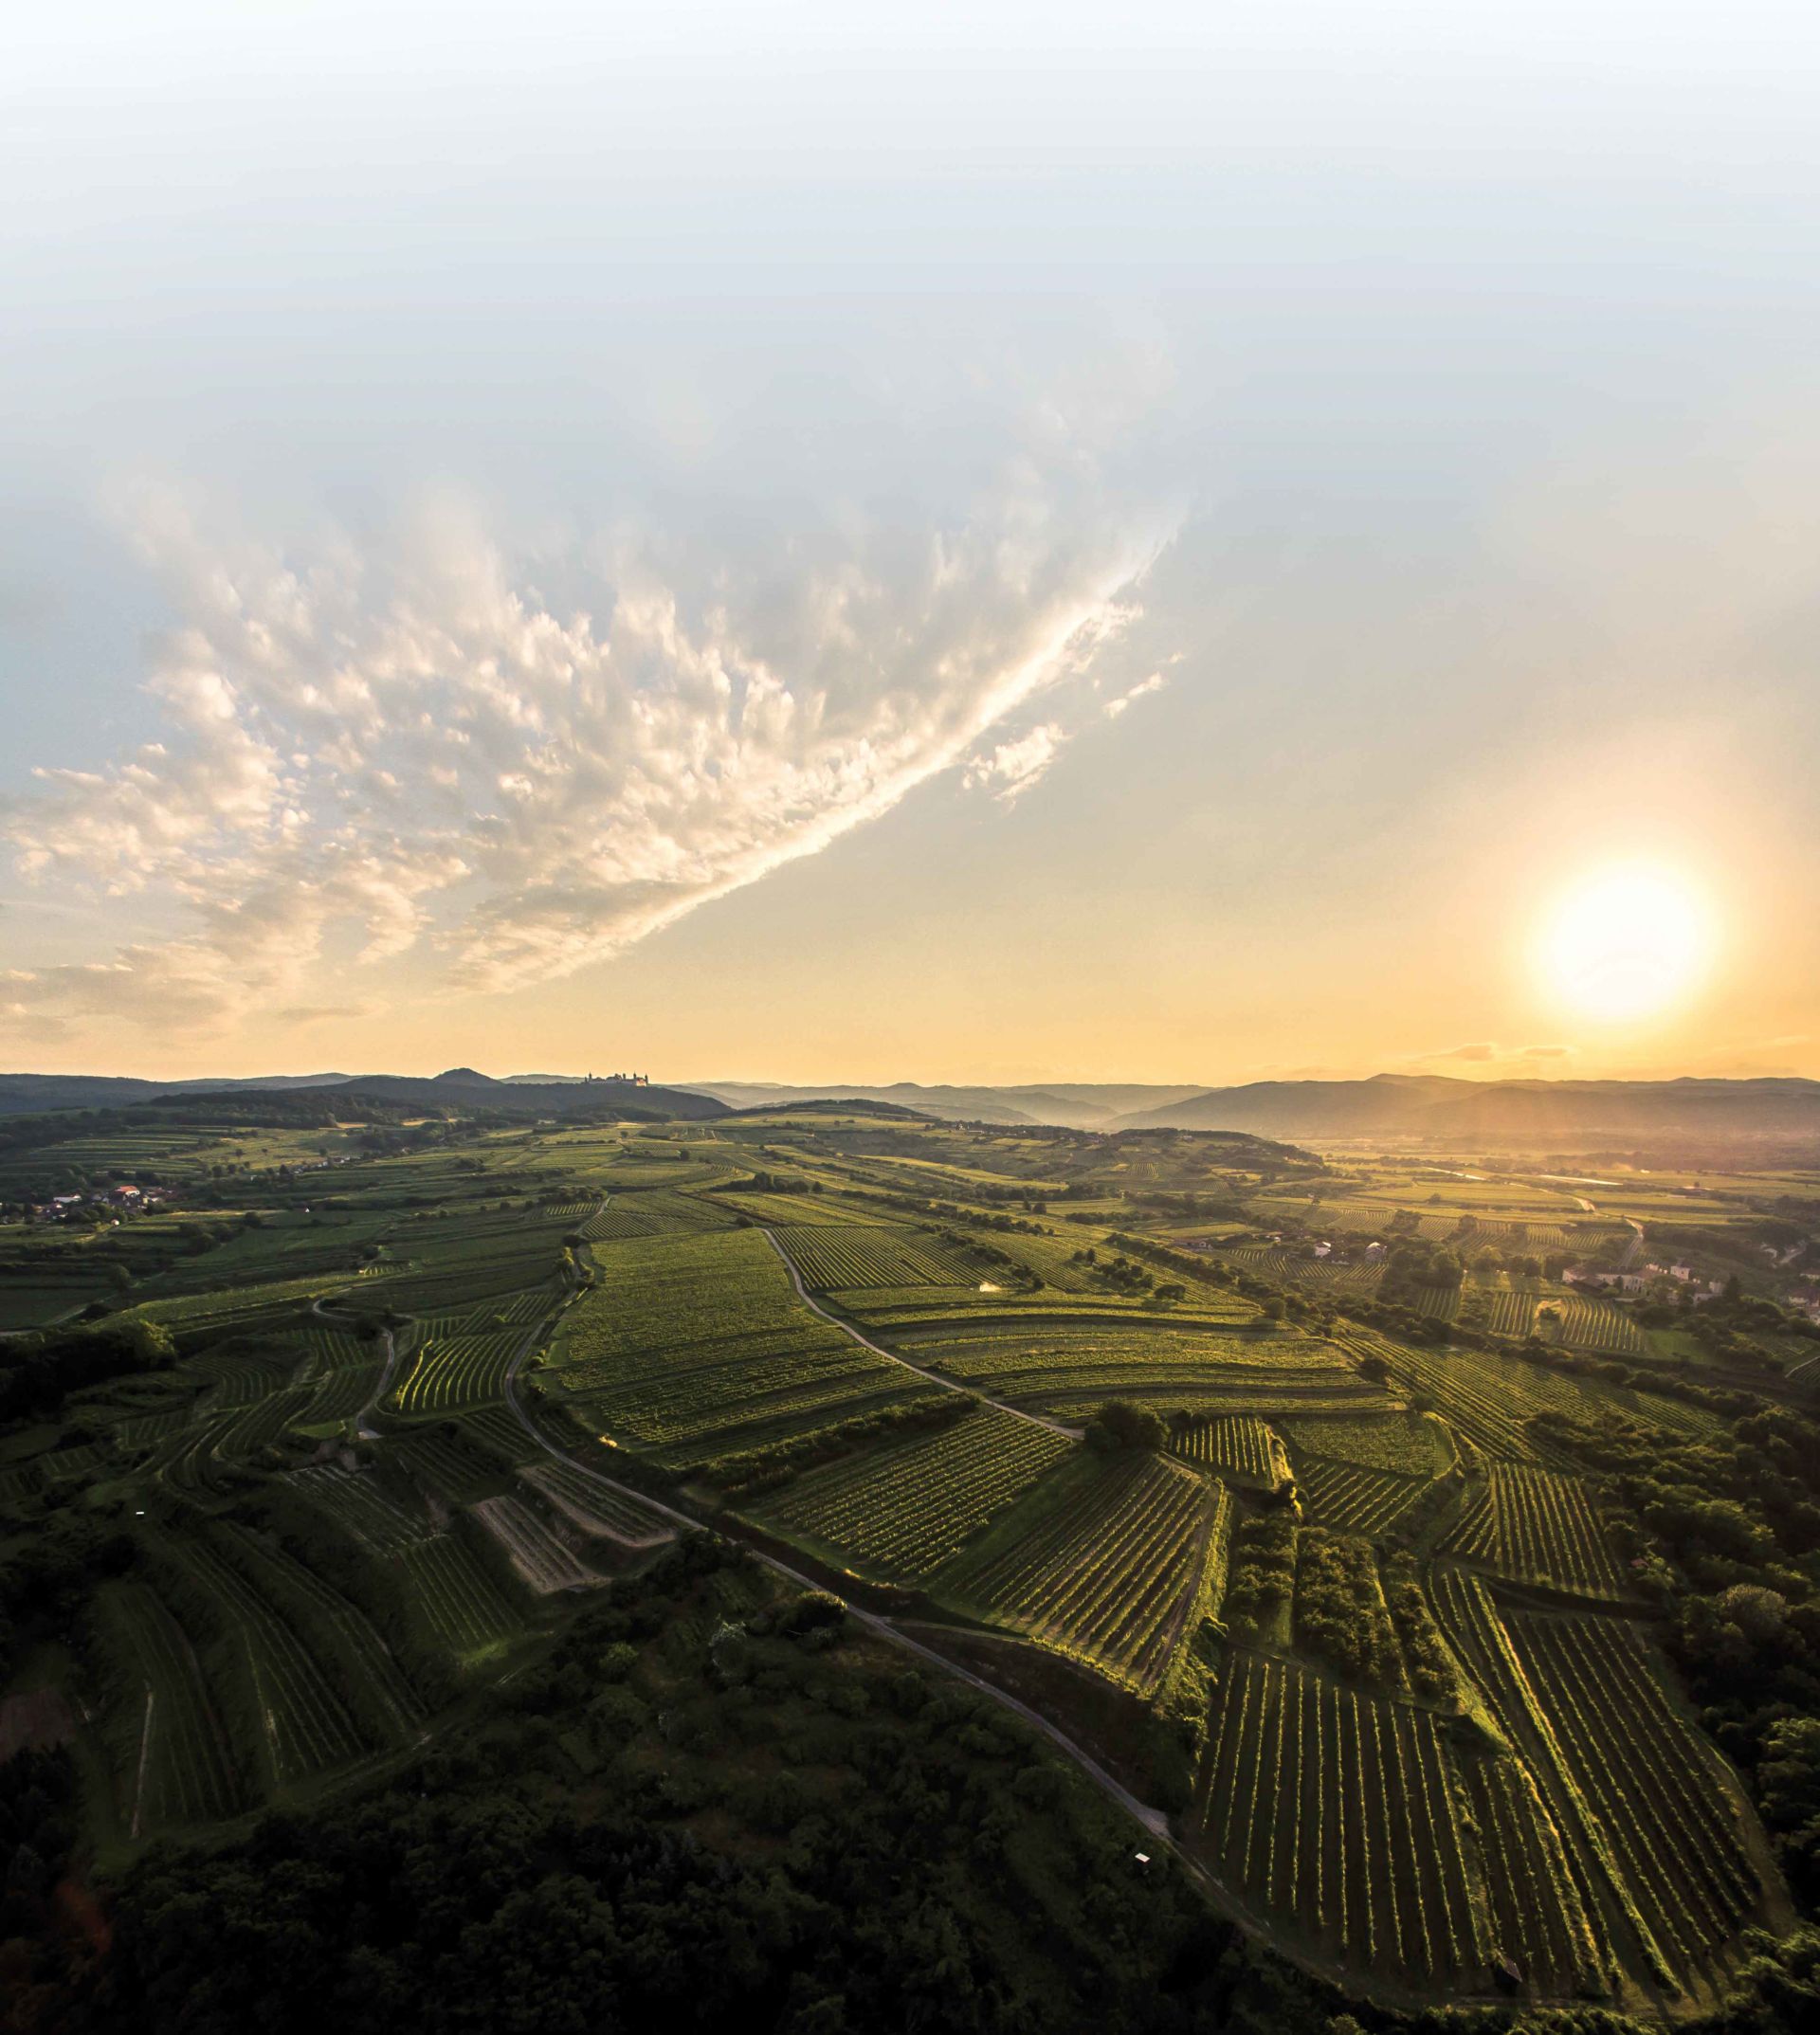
pixel 1001 543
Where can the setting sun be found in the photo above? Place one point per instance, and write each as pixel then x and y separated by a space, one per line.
pixel 1625 943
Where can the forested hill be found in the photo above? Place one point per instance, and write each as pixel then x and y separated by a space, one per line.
pixel 459 1090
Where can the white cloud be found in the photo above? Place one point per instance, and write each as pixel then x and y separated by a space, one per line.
pixel 404 749
pixel 1140 691
pixel 1014 767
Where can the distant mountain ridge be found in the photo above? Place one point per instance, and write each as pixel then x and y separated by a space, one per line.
pixel 1440 1107
pixel 1076 1105
pixel 1384 1105
pixel 520 1096
pixel 1390 1105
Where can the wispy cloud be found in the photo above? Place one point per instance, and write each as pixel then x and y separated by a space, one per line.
pixel 405 748
pixel 1014 767
pixel 1140 691
pixel 1487 1056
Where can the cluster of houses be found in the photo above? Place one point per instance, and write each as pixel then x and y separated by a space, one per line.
pixel 125 1198
pixel 1641 1278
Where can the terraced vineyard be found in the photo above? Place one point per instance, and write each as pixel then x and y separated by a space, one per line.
pixel 304 1727
pixel 1538 1528
pixel 363 1507
pixel 1535 1912
pixel 1582 1324
pixel 1335 1813
pixel 1490 1399
pixel 1101 1569
pixel 1354 1500
pixel 461 1606
pixel 451 1369
pixel 542 1562
pixel 1509 1313
pixel 831 1257
pixel 1050 1366
pixel 1616 1772
pixel 699 1342
pixel 594 1507
pixel 1349 1600
pixel 904 1512
pixel 1662 1823
pixel 1239 1445
pixel 1406 1444
pixel 178 1767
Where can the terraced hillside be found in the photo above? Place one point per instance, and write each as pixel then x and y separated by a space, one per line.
pixel 1365 1608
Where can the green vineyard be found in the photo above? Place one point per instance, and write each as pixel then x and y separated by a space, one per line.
pixel 1538 1528
pixel 831 1257
pixel 1239 1445
pixel 1355 1500
pixel 903 1513
pixel 1370 1616
pixel 1339 1813
pixel 1667 1831
pixel 1104 1571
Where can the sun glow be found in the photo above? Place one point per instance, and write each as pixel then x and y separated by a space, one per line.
pixel 1625 943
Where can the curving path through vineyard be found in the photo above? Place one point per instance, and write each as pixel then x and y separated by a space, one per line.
pixel 891 1357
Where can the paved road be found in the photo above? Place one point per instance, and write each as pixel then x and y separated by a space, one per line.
pixel 891 1357
pixel 1153 1820
pixel 363 1426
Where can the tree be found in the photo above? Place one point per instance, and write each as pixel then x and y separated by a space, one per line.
pixel 1120 1425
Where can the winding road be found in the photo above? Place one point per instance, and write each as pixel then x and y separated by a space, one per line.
pixel 1153 1820
pixel 363 1422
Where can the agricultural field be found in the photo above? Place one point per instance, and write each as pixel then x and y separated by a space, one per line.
pixel 904 1512
pixel 1043 1363
pixel 541 1559
pixel 1668 1830
pixel 408 1424
pixel 1532 1527
pixel 1337 1814
pixel 831 1257
pixel 451 1367
pixel 1613 1768
pixel 1488 1400
pixel 594 1508
pixel 1577 1323
pixel 1405 1443
pixel 1353 1499
pixel 1100 1569
pixel 177 1766
pixel 696 1344
pixel 1237 1447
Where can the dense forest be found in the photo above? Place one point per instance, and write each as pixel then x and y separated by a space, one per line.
pixel 830 1842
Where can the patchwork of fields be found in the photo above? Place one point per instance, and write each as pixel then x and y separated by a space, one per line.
pixel 1428 1733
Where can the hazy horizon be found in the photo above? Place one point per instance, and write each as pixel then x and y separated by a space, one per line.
pixel 1014 548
